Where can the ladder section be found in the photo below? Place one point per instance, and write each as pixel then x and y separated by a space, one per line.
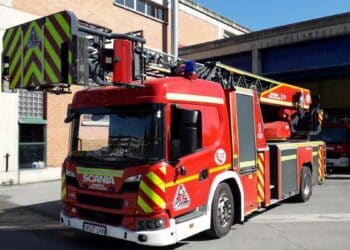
pixel 270 91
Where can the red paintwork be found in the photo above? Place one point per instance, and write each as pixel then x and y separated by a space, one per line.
pixel 259 125
pixel 340 149
pixel 219 129
pixel 231 96
pixel 249 183
pixel 337 150
pixel 288 94
pixel 122 70
pixel 277 130
pixel 267 189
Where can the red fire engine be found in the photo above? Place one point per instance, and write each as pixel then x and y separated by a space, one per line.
pixel 156 161
pixel 336 134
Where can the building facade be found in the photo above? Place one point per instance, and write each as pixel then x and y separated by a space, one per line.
pixel 314 54
pixel 38 140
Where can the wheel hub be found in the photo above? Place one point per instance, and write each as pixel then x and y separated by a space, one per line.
pixel 224 210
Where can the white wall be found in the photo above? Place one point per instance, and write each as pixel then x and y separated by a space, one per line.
pixel 9 104
pixel 8 137
pixel 10 17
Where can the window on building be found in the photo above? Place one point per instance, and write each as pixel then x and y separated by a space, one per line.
pixel 141 6
pixel 144 7
pixel 160 13
pixel 32 146
pixel 130 3
pixel 32 130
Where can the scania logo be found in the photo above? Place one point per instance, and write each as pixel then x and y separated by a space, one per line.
pixel 98 179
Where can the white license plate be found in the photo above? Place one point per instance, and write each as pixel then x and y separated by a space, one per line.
pixel 95 229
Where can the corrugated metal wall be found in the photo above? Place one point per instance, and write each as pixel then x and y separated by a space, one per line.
pixel 308 55
pixel 242 60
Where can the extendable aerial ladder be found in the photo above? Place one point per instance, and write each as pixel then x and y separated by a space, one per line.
pixel 56 51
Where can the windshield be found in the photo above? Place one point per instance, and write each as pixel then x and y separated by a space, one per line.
pixel 128 135
pixel 332 135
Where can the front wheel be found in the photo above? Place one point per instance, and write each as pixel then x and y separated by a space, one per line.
pixel 222 211
pixel 305 185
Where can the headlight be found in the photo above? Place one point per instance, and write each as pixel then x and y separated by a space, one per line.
pixel 135 178
pixel 150 224
pixel 70 173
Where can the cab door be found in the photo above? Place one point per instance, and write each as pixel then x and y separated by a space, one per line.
pixel 247 147
pixel 188 182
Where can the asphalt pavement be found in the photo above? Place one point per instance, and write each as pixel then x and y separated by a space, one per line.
pixel 29 220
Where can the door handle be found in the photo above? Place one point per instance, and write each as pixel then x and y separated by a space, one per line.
pixel 181 170
pixel 203 174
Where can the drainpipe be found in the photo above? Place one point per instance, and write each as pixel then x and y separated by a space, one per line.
pixel 174 27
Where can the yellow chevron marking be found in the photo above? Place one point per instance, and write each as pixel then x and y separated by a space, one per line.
pixel 63 186
pixel 156 180
pixel 163 169
pixel 144 205
pixel 152 195
pixel 261 191
pixel 261 179
pixel 261 167
pixel 319 151
pixel 63 193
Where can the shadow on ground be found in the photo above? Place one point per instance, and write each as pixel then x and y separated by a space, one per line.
pixel 37 227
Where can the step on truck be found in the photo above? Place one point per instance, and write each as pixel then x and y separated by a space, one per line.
pixel 154 160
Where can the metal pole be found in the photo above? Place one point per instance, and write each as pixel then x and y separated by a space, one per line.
pixel 174 27
pixel 7 162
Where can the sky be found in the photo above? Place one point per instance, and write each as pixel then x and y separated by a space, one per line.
pixel 263 14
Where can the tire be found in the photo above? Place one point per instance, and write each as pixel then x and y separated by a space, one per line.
pixel 222 212
pixel 305 185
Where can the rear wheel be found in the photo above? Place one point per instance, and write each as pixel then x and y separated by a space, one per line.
pixel 305 185
pixel 222 211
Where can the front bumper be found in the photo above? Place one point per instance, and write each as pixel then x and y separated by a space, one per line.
pixel 162 237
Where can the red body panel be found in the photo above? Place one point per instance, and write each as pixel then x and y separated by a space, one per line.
pixel 219 137
pixel 123 51
pixel 249 183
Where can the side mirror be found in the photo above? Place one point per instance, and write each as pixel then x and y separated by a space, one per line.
pixel 70 115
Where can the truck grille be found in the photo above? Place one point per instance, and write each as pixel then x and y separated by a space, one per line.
pixel 100 217
pixel 100 201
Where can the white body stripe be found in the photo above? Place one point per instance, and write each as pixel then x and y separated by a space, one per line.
pixel 194 98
